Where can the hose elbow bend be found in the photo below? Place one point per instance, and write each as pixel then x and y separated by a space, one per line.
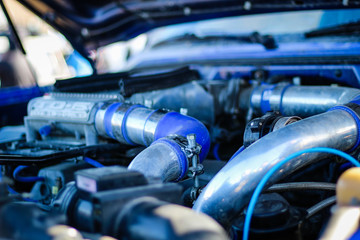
pixel 163 160
pixel 176 123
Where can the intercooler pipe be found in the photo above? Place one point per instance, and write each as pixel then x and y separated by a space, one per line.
pixel 302 101
pixel 138 125
pixel 230 190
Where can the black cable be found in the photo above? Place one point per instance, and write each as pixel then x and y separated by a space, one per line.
pixel 50 159
pixel 320 206
pixel 299 186
pixel 12 28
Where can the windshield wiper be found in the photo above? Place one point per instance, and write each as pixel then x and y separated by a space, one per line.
pixel 341 29
pixel 267 41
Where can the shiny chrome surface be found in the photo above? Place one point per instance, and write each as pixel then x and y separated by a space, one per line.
pixel 230 190
pixel 308 101
pixel 99 117
pixel 151 124
pixel 117 121
pixel 181 97
pixel 135 123
pixel 302 101
pixel 255 98
pixel 140 123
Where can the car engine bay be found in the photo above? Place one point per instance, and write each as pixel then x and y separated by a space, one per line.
pixel 129 158
pixel 199 119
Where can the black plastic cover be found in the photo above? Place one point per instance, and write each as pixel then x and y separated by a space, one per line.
pixel 95 180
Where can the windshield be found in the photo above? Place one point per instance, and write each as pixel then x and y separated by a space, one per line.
pixel 270 23
pixel 48 54
pixel 285 27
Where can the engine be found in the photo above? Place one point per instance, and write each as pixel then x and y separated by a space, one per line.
pixel 181 161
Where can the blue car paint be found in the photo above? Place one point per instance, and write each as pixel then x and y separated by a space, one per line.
pixel 16 95
pixel 349 74
pixel 216 52
pixel 13 103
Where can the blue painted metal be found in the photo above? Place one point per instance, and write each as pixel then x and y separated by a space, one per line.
pixel 350 74
pixel 16 95
pixel 13 103
pixel 205 51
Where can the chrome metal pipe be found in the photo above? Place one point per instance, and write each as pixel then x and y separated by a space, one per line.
pixel 230 190
pixel 128 123
pixel 301 186
pixel 138 125
pixel 303 101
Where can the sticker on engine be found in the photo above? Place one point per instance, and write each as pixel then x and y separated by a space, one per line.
pixel 78 111
pixel 86 184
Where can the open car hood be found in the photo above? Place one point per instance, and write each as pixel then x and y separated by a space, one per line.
pixel 89 24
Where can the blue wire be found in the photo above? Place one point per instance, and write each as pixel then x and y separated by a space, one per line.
pixel 242 148
pixel 12 191
pixel 25 179
pixel 93 162
pixel 216 152
pixel 275 168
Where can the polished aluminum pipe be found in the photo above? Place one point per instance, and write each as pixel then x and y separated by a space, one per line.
pixel 128 123
pixel 137 125
pixel 133 124
pixel 303 101
pixel 230 190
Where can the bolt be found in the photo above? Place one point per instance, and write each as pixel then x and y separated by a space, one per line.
pixel 183 111
pixel 191 140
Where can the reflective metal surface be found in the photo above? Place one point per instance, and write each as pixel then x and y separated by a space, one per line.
pixel 99 119
pixel 230 190
pixel 135 124
pixel 308 101
pixel 302 101
pixel 139 126
pixel 181 97
pixel 117 121
pixel 151 124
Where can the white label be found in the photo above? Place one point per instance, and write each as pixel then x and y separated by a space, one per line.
pixel 79 111
pixel 86 184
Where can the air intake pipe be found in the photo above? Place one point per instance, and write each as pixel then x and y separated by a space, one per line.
pixel 138 125
pixel 302 101
pixel 230 190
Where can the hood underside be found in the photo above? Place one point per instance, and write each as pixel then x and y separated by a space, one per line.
pixel 91 24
